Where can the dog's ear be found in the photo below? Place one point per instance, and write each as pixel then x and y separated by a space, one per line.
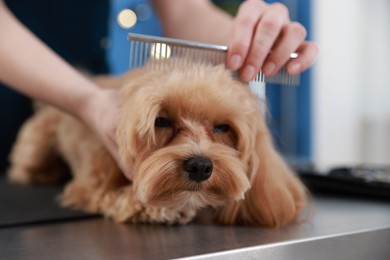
pixel 276 195
pixel 139 105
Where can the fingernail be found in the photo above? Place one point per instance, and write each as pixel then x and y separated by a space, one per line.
pixel 248 73
pixel 235 62
pixel 295 68
pixel 269 68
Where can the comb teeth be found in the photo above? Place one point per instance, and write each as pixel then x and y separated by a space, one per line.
pixel 151 53
pixel 151 50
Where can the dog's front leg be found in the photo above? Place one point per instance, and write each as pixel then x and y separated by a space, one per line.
pixel 122 206
pixel 168 216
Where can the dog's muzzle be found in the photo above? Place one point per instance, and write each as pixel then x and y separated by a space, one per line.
pixel 198 168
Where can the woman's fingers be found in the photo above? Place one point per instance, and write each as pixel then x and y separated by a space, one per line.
pixel 267 31
pixel 244 27
pixel 307 54
pixel 263 38
pixel 291 38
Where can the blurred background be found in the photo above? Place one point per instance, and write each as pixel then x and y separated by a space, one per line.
pixel 351 82
pixel 340 113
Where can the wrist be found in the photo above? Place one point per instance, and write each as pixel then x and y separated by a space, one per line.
pixel 96 106
pixel 86 103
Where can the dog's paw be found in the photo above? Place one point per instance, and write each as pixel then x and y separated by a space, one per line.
pixel 121 206
pixel 154 215
pixel 18 175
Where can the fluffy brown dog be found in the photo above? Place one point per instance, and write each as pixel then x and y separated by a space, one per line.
pixel 196 138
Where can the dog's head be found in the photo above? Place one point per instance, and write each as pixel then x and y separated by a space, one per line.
pixel 197 137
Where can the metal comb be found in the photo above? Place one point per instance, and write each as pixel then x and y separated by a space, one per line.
pixel 151 49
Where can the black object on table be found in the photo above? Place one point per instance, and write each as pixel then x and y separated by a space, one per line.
pixel 22 205
pixel 363 180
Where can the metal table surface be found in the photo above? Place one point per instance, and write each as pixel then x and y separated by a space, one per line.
pixel 339 228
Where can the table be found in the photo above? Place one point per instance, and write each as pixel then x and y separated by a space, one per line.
pixel 340 227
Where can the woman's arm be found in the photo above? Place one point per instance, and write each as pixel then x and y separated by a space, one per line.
pixel 30 67
pixel 197 20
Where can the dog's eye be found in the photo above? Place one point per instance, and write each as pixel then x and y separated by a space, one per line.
pixel 162 122
pixel 221 128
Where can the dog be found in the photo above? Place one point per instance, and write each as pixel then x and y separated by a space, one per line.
pixel 196 138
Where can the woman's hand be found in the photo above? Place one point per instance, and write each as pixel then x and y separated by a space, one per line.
pixel 101 113
pixel 263 38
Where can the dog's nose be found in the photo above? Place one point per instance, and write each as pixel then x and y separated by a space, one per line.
pixel 198 168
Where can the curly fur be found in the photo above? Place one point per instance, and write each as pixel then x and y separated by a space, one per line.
pixel 250 183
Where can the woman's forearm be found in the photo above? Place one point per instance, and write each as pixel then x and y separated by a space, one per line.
pixel 198 20
pixel 30 67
